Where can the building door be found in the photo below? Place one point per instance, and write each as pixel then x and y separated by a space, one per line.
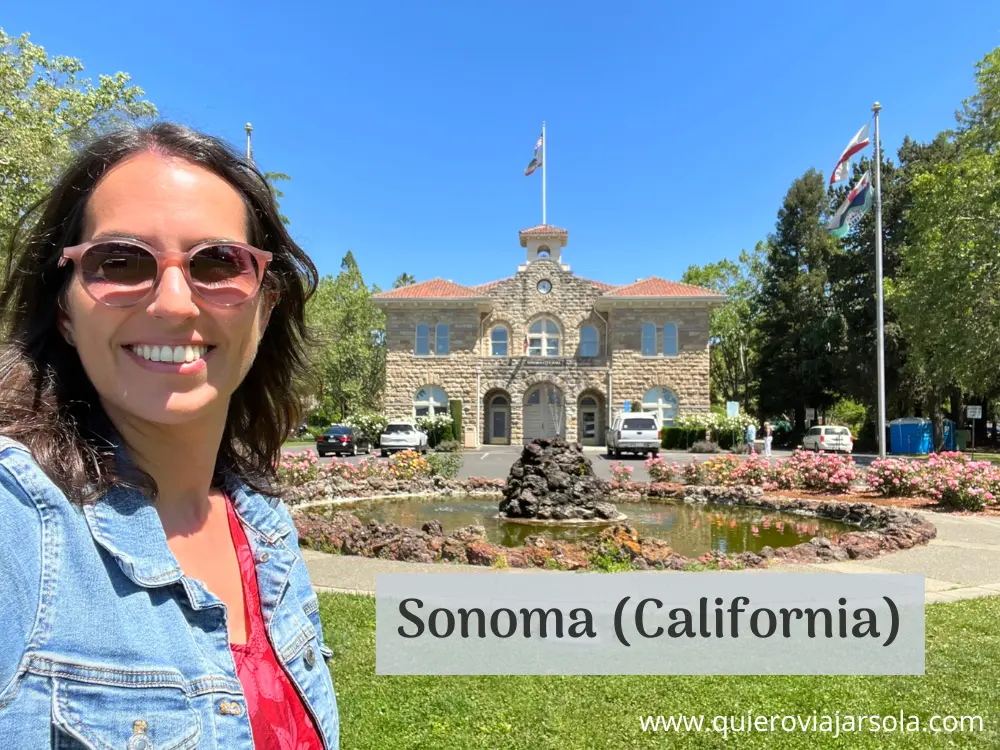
pixel 543 413
pixel 499 416
pixel 588 421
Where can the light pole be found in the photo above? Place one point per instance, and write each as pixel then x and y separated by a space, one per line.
pixel 249 129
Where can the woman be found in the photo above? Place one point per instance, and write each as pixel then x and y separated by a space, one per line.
pixel 154 595
pixel 768 439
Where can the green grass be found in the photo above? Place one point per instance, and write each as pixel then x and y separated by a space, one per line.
pixel 963 678
pixel 296 441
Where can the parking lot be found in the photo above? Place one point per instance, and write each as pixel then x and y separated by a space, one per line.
pixel 494 462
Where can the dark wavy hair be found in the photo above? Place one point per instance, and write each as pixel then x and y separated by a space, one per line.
pixel 47 401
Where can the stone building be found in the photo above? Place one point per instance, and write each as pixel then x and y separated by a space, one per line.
pixel 545 352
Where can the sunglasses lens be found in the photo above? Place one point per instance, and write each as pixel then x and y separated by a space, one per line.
pixel 225 274
pixel 118 273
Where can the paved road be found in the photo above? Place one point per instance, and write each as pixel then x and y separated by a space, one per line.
pixel 494 462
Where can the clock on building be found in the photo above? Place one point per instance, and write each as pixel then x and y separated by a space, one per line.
pixel 544 286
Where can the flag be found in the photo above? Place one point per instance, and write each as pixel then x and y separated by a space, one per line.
pixel 536 160
pixel 856 205
pixel 858 142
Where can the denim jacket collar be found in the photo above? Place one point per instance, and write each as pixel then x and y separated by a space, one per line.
pixel 126 524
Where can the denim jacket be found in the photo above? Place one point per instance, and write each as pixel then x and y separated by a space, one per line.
pixel 106 644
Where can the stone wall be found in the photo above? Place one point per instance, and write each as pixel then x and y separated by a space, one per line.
pixel 516 305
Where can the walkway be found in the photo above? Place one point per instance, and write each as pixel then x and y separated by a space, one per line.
pixel 963 562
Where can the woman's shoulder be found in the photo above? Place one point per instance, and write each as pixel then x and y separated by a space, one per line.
pixel 25 488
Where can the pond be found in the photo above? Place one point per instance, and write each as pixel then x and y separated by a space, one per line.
pixel 690 529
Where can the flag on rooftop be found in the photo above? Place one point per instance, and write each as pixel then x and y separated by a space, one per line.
pixel 536 160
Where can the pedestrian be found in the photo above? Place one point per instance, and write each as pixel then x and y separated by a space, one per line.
pixel 153 589
pixel 768 439
pixel 751 437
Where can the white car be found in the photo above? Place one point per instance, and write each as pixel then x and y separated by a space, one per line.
pixel 402 436
pixel 833 439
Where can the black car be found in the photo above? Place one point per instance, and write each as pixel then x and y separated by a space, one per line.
pixel 342 440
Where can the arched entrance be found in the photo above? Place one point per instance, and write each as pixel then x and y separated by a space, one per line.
pixel 589 424
pixel 497 409
pixel 544 412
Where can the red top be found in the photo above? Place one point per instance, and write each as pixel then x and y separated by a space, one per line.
pixel 278 718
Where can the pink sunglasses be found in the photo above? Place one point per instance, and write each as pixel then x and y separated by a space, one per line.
pixel 124 272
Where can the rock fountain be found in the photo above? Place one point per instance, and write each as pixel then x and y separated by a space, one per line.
pixel 554 482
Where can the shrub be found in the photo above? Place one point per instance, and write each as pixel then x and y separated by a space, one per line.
pixel 893 477
pixel 848 413
pixel 755 471
pixel 658 469
pixel 677 438
pixel 434 426
pixel 712 471
pixel 704 446
pixel 824 472
pixel 370 424
pixel 448 446
pixel 620 472
pixel 444 465
pixel 298 468
pixel 408 465
pixel 455 406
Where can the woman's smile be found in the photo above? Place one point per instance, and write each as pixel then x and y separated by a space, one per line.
pixel 178 359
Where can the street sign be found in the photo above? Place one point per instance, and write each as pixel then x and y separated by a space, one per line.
pixel 974 412
pixel 732 409
pixel 628 406
pixel 810 415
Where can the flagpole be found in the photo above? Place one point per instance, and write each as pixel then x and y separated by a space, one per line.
pixel 249 129
pixel 545 163
pixel 878 286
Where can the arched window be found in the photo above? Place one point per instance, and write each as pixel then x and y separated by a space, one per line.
pixel 441 343
pixel 422 348
pixel 663 402
pixel 670 340
pixel 588 401
pixel 498 341
pixel 648 340
pixel 429 401
pixel 543 252
pixel 589 342
pixel 543 338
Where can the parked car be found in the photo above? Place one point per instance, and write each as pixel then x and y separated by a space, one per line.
pixel 833 439
pixel 341 440
pixel 402 436
pixel 633 432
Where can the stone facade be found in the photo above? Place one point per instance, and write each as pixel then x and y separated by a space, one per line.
pixel 617 373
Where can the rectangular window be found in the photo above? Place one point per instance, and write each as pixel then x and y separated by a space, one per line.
pixel 423 345
pixel 500 348
pixel 535 347
pixel 670 340
pixel 441 339
pixel 648 340
pixel 552 348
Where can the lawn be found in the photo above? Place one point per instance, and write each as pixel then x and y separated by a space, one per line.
pixel 963 661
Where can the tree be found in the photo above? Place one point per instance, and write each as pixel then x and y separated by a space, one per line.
pixel 272 179
pixel 48 110
pixel 797 328
pixel 404 279
pixel 732 327
pixel 349 361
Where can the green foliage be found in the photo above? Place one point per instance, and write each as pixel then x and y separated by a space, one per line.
pixel 455 406
pixel 677 438
pixel 404 279
pixel 272 179
pixel 608 558
pixel 347 362
pixel 438 428
pixel 372 424
pixel 849 414
pixel 48 111
pixel 448 446
pixel 445 465
pixel 731 327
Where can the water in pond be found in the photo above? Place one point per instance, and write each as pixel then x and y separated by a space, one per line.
pixel 690 529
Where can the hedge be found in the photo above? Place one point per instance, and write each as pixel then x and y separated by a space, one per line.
pixel 455 405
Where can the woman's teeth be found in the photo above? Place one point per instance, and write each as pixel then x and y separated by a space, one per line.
pixel 169 353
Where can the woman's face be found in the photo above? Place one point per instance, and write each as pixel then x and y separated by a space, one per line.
pixel 170 204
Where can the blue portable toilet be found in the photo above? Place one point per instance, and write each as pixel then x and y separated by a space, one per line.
pixel 949 435
pixel 910 436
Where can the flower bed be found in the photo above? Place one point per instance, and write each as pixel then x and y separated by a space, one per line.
pixel 827 473
pixel 298 469
pixel 952 479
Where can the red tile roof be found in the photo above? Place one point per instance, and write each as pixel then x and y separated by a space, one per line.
pixel 489 284
pixel 433 289
pixel 657 287
pixel 543 229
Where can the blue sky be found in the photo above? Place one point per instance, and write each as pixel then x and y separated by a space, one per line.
pixel 674 129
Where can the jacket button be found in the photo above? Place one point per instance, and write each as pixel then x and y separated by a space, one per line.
pixel 310 656
pixel 264 557
pixel 230 708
